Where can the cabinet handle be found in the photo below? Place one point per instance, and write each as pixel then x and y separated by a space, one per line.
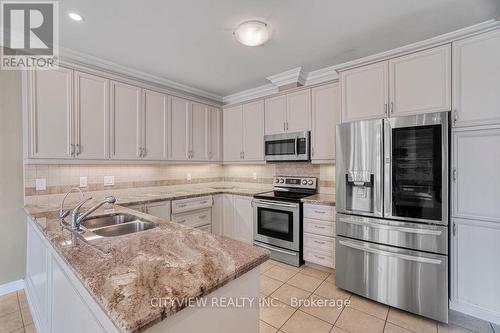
pixel 287 125
pixel 181 221
pixel 454 174
pixel 143 152
pixel 455 116
pixel 319 227
pixel 139 151
pixel 320 212
pixel 202 217
pixel 392 108
pixel 319 257
pixel 243 154
pixel 312 151
pixel 72 150
pixel 385 109
pixel 319 242
pixel 284 126
pixel 181 205
pixel 78 151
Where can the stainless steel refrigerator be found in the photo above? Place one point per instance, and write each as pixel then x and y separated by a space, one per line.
pixel 392 211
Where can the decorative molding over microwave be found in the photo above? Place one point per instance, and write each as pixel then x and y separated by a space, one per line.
pixel 289 77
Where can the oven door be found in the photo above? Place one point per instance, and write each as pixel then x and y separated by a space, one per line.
pixel 287 147
pixel 277 223
pixel 416 168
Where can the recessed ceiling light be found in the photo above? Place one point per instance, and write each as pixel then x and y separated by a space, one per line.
pixel 75 16
pixel 252 32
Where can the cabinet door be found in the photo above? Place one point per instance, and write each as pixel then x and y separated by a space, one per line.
pixel 233 129
pixel 179 129
pixel 253 131
pixel 476 185
pixel 364 92
pixel 325 117
pixel 64 297
pixel 420 82
pixel 228 215
pixel 298 111
pixel 217 215
pixel 159 209
pixel 126 114
pixel 476 80
pixel 199 132
pixel 154 136
pixel 215 134
pixel 475 267
pixel 243 219
pixel 91 116
pixel 275 115
pixel 50 116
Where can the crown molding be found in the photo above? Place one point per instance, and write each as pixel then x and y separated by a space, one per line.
pixel 424 44
pixel 321 75
pixel 249 94
pixel 84 59
pixel 294 75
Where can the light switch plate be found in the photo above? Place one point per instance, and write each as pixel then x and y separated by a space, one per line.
pixel 41 184
pixel 109 180
pixel 188 176
pixel 83 181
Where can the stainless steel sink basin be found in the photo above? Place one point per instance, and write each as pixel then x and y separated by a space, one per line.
pixel 92 223
pixel 116 225
pixel 124 229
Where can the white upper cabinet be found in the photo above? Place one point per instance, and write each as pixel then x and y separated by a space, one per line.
pixel 126 122
pixel 325 117
pixel 179 129
pixel 253 131
pixel 155 126
pixel 364 92
pixel 215 134
pixel 298 111
pixel 91 116
pixel 50 114
pixel 232 134
pixel 476 80
pixel 275 115
pixel 476 179
pixel 420 82
pixel 198 132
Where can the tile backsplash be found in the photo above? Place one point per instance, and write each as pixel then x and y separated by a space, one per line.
pixel 60 178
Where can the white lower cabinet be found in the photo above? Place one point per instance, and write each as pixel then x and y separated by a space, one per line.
pixel 475 268
pixel 237 217
pixel 217 215
pixel 319 235
pixel 159 209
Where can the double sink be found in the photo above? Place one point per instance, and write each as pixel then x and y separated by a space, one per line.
pixel 117 224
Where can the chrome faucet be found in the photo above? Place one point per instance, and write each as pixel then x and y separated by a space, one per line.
pixel 77 218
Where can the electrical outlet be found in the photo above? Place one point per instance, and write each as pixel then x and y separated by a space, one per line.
pixel 254 175
pixel 41 184
pixel 109 180
pixel 83 181
pixel 188 176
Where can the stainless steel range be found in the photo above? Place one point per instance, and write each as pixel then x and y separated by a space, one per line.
pixel 278 218
pixel 392 212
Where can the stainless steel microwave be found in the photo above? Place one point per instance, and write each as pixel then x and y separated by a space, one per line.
pixel 287 146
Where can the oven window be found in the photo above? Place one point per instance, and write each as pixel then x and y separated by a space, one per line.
pixel 275 223
pixel 280 147
pixel 416 172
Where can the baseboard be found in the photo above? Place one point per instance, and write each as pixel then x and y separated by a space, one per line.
pixel 476 312
pixel 11 287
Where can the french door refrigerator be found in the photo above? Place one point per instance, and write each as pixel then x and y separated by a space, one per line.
pixel 392 211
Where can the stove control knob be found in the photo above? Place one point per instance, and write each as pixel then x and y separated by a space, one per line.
pixel 310 182
pixel 277 181
pixel 282 181
pixel 304 182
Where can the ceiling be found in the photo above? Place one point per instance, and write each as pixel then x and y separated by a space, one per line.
pixel 191 41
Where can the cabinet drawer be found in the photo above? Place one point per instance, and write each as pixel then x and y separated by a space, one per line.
pixel 194 219
pixel 319 227
pixel 319 212
pixel 185 205
pixel 319 257
pixel 207 228
pixel 320 243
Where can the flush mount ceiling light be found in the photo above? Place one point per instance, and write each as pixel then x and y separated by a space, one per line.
pixel 252 33
pixel 75 16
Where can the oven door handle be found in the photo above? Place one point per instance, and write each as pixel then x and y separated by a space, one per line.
pixel 275 249
pixel 273 203
pixel 391 254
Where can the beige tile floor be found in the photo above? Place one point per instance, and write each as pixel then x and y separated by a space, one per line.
pixel 15 315
pixel 284 284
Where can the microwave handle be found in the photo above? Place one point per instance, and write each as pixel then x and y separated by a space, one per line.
pixel 296 145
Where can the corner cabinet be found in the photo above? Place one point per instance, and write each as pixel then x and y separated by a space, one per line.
pixel 415 83
pixel 244 133
pixel 476 80
pixel 325 117
pixel 50 114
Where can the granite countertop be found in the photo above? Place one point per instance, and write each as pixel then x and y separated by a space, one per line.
pixel 171 261
pixel 320 199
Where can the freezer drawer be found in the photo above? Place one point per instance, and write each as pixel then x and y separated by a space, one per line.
pixel 415 236
pixel 413 281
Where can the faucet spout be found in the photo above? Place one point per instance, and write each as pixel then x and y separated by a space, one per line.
pixel 77 217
